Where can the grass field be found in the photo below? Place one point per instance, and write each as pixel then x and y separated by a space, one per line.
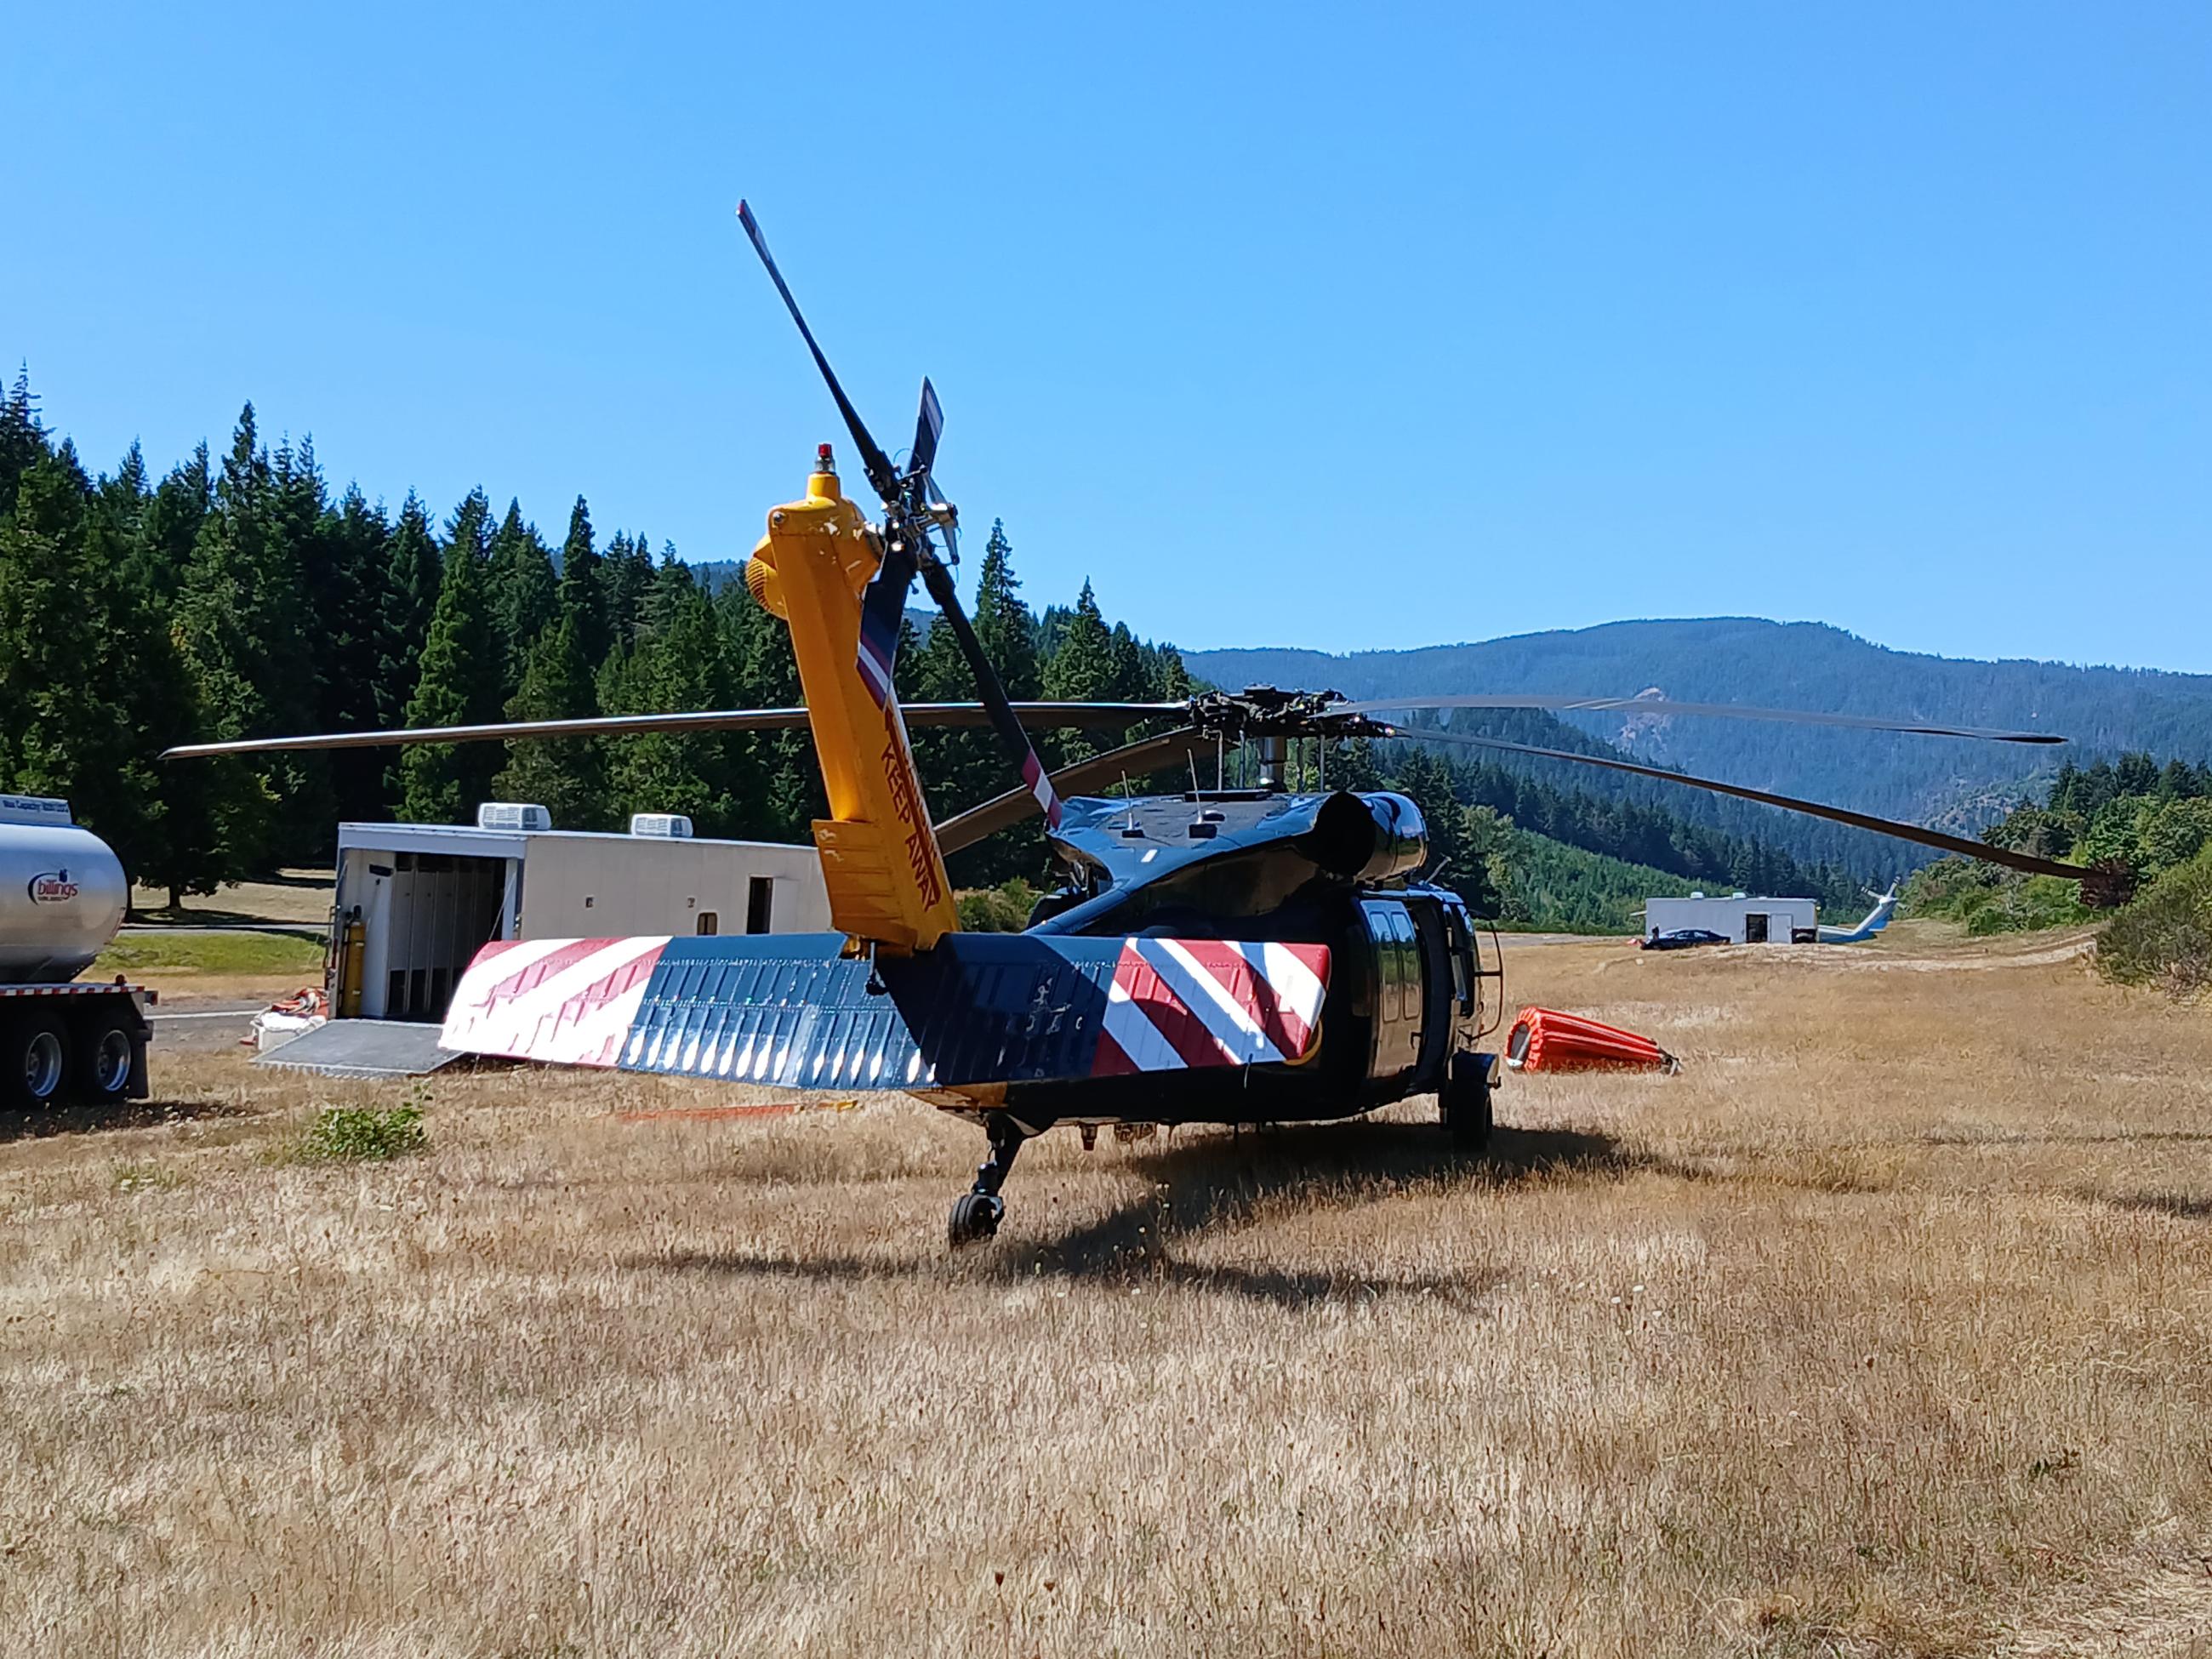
pixel 207 953
pixel 1885 1327
pixel 290 896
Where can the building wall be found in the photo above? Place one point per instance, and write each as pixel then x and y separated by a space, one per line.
pixel 1726 915
pixel 429 895
pixel 588 886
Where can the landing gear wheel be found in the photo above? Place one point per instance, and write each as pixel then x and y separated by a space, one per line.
pixel 33 1061
pixel 103 1058
pixel 974 1218
pixel 1465 1102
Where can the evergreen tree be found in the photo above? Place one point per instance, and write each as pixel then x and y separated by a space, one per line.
pixel 23 438
pixel 626 575
pixel 1082 667
pixel 354 550
pixel 91 685
pixel 170 531
pixel 413 579
pixel 1003 622
pixel 683 664
pixel 560 674
pixel 673 583
pixel 566 775
pixel 525 590
pixel 238 621
pixel 758 649
pixel 308 645
pixel 443 783
pixel 583 590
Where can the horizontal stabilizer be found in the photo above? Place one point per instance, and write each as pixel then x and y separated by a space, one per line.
pixel 795 1011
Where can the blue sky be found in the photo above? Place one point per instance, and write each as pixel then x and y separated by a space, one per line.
pixel 1330 326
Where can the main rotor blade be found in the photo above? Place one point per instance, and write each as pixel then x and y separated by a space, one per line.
pixel 1069 716
pixel 874 461
pixel 1662 706
pixel 1912 832
pixel 1134 760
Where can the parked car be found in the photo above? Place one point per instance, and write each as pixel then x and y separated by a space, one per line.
pixel 1683 938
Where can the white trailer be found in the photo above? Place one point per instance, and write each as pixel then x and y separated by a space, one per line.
pixel 416 901
pixel 1738 917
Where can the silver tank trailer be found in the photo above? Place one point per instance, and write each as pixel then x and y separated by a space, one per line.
pixel 62 893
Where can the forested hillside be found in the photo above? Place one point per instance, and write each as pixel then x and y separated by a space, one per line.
pixel 240 595
pixel 1946 781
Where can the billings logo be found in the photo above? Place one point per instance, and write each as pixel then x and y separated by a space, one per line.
pixel 51 887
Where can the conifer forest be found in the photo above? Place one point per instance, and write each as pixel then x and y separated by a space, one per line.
pixel 241 593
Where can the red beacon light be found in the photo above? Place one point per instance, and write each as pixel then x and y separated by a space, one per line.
pixel 824 461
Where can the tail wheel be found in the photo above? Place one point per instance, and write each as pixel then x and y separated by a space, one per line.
pixel 104 1059
pixel 975 1217
pixel 33 1061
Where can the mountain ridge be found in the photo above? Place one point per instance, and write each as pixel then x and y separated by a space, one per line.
pixel 1811 666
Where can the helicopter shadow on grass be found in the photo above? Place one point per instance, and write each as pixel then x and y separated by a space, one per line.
pixel 1221 1183
pixel 2179 1207
pixel 82 1120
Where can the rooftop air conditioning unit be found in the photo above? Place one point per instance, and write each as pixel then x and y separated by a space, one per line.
pixel 33 809
pixel 664 826
pixel 524 816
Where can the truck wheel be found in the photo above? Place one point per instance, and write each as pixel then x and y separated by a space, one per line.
pixel 1465 1102
pixel 101 1061
pixel 33 1061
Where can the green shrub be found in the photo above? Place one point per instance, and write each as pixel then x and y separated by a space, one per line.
pixel 1001 909
pixel 2165 938
pixel 2026 903
pixel 1985 899
pixel 364 1133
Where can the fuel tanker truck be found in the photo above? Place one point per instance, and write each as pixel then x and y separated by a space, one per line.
pixel 63 895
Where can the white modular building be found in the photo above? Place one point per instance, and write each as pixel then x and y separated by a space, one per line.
pixel 1737 917
pixel 416 901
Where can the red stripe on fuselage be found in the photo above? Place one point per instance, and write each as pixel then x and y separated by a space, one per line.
pixel 1185 1031
pixel 1109 1060
pixel 1252 991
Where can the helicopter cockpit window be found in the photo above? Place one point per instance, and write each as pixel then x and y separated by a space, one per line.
pixel 1409 975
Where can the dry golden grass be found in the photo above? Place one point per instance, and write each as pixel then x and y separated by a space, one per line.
pixel 1883 1328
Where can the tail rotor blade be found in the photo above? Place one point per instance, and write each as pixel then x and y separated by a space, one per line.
pixel 874 461
pixel 928 426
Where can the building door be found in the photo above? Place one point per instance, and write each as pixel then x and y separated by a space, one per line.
pixel 1754 928
pixel 760 904
pixel 442 909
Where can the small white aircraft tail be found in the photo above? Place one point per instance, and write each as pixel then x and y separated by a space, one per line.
pixel 1876 920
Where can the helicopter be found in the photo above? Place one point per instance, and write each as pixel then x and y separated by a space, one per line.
pixel 1239 956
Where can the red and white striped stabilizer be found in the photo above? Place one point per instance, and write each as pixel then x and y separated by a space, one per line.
pixel 1179 1003
pixel 568 1001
